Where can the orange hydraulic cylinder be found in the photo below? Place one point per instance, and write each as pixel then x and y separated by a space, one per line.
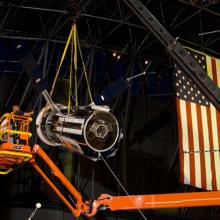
pixel 174 200
pixel 78 208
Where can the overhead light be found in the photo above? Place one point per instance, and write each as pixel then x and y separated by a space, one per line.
pixel 146 62
pixel 114 54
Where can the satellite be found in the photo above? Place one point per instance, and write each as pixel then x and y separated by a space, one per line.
pixel 86 130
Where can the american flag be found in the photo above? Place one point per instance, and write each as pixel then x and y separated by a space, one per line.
pixel 198 128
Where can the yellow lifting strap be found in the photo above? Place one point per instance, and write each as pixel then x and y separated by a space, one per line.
pixel 71 76
pixel 75 64
pixel 85 72
pixel 61 61
pixel 73 40
pixel 73 60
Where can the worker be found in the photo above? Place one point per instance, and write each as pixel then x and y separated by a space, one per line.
pixel 13 126
pixel 3 127
pixel 16 110
pixel 17 125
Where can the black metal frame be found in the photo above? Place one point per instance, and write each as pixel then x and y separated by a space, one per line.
pixel 177 52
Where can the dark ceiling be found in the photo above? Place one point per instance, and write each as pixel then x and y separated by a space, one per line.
pixel 111 25
pixel 147 159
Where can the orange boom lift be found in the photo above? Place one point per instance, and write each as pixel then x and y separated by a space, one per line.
pixel 15 151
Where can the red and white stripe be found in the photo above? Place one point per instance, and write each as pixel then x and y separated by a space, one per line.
pixel 199 138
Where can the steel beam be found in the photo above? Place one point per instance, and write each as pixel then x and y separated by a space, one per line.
pixel 180 56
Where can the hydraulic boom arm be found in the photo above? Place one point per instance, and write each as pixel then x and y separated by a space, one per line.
pixel 75 203
pixel 116 203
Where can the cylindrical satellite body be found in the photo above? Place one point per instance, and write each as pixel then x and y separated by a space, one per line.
pixel 86 130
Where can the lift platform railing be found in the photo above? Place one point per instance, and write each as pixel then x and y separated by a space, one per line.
pixel 14 139
pixel 12 125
